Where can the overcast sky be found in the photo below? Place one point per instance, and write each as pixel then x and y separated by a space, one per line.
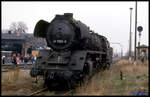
pixel 111 19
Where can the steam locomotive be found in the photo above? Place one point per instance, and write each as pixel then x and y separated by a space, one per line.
pixel 75 52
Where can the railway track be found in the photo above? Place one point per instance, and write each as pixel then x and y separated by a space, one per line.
pixel 47 92
pixel 39 91
pixel 61 93
pixel 9 67
pixel 67 93
pixel 64 93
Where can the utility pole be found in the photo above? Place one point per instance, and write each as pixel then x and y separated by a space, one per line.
pixel 135 30
pixel 130 36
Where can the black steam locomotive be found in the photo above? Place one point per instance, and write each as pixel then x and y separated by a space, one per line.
pixel 75 52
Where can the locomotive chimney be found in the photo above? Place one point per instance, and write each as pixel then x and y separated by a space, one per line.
pixel 70 15
pixel 57 15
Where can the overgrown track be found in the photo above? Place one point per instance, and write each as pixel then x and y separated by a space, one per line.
pixel 39 91
pixel 47 92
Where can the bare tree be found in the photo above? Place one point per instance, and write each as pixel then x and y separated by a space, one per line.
pixel 22 27
pixel 18 27
pixel 13 27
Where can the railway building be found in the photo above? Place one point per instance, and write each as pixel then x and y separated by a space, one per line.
pixel 21 43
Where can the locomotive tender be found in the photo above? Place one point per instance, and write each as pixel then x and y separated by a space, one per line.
pixel 75 52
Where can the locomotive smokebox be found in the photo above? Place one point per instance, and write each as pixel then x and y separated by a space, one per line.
pixel 60 33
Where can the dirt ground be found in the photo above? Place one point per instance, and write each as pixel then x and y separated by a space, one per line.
pixel 134 79
pixel 16 82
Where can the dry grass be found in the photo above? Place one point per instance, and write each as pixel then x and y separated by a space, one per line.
pixel 135 78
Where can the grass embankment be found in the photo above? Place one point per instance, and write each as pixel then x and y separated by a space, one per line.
pixel 108 82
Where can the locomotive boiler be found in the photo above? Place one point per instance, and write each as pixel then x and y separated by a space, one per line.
pixel 75 52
